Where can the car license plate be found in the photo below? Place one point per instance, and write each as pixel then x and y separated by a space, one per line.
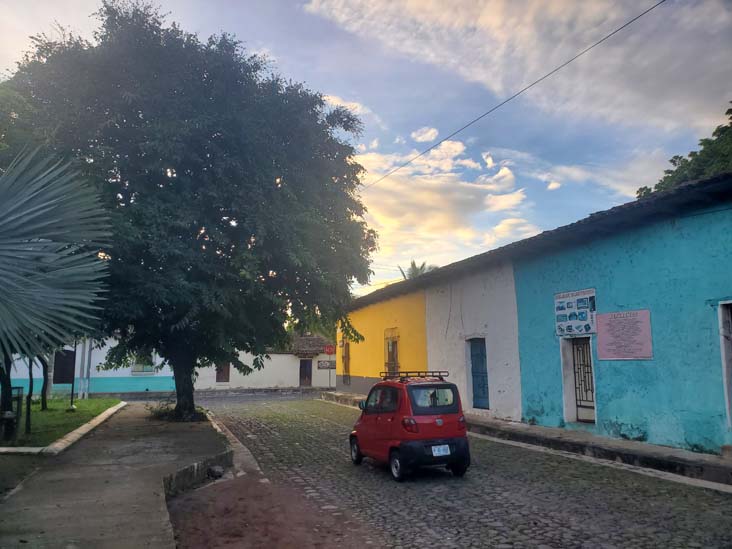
pixel 441 450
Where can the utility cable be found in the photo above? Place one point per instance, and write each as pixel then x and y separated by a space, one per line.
pixel 515 95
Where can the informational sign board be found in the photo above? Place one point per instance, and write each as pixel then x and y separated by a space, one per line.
pixel 326 365
pixel 575 312
pixel 624 336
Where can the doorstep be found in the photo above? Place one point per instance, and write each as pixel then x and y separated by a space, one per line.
pixel 641 454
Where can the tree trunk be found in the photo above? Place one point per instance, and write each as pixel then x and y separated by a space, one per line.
pixel 28 398
pixel 44 387
pixel 183 368
pixel 6 398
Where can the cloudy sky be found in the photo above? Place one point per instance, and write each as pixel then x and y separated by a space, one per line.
pixel 416 70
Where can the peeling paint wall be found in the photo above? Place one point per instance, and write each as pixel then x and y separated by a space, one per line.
pixel 680 269
pixel 482 305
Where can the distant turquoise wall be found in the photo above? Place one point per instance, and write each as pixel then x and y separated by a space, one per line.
pixel 679 269
pixel 126 384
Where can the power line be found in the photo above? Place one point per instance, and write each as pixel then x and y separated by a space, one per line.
pixel 515 95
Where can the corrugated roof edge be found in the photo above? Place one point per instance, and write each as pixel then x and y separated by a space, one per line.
pixel 660 205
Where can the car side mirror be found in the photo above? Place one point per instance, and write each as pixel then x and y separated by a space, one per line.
pixel 362 405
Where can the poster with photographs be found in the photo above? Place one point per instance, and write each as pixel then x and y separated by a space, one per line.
pixel 575 312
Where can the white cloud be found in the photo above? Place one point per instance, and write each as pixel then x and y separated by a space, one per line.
pixel 669 69
pixel 508 201
pixel 488 159
pixel 359 109
pixel 374 144
pixel 447 157
pixel 502 181
pixel 510 230
pixel 430 211
pixel 399 140
pixel 425 134
pixel 642 167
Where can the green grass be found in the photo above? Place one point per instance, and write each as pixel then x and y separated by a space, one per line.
pixel 52 424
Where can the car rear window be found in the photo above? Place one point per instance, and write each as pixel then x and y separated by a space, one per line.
pixel 434 399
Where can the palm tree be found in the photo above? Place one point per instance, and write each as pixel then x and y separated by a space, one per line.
pixel 52 227
pixel 415 270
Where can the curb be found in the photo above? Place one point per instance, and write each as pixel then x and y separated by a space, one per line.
pixel 68 439
pixel 196 473
pixel 244 460
pixel 702 467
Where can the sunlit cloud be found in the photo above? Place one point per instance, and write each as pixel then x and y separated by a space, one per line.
pixel 502 181
pixel 431 211
pixel 425 135
pixel 510 229
pixel 501 202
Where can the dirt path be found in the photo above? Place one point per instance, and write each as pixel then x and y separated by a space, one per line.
pixel 245 512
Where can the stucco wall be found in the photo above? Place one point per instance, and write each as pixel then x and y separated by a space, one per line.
pixel 280 370
pixel 405 313
pixel 482 305
pixel 101 381
pixel 679 269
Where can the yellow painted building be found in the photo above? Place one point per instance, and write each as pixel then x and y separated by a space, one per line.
pixel 395 339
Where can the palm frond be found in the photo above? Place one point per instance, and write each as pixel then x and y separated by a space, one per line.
pixel 52 225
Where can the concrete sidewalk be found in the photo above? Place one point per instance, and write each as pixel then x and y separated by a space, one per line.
pixel 108 489
pixel 672 460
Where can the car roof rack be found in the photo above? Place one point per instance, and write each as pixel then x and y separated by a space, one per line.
pixel 414 374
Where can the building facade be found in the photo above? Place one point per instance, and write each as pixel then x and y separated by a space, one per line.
pixel 306 364
pixel 472 328
pixel 619 324
pixel 394 339
pixel 665 380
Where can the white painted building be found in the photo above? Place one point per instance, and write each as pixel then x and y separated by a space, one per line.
pixel 305 366
pixel 472 332
pixel 281 370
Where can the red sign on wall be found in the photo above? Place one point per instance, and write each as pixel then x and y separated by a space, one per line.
pixel 329 349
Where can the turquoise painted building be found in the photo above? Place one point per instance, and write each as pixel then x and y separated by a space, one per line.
pixel 661 371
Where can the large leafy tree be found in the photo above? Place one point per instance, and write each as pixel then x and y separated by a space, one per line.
pixel 713 157
pixel 233 193
pixel 51 227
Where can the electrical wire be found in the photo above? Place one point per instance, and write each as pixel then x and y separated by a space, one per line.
pixel 515 95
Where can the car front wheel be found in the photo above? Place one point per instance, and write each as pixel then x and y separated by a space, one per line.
pixel 395 466
pixel 356 455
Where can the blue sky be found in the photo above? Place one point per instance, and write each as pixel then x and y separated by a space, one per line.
pixel 580 142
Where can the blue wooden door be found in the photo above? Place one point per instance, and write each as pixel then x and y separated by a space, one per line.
pixel 479 371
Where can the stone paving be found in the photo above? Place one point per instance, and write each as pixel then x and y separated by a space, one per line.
pixel 511 497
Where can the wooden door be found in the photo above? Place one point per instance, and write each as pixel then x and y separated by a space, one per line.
pixel 306 373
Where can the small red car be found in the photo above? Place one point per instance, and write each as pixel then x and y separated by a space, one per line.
pixel 410 420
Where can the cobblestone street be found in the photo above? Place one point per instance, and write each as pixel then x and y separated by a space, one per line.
pixel 511 497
